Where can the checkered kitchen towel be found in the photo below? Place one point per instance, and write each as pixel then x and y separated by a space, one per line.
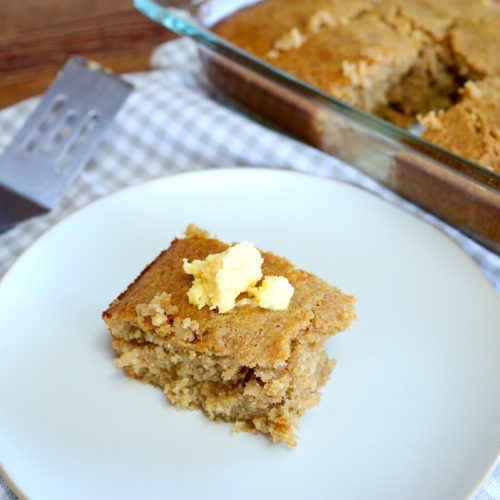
pixel 173 123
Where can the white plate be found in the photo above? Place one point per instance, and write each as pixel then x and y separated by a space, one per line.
pixel 413 407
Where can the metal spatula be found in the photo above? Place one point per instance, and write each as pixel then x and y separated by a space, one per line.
pixel 58 139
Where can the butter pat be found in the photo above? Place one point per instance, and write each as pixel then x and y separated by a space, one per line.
pixel 222 277
pixel 274 293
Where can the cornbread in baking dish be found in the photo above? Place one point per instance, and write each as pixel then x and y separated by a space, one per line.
pixel 395 58
pixel 260 369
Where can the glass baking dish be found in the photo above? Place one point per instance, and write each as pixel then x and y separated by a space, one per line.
pixel 454 189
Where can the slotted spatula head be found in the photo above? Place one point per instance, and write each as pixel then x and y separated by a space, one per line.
pixel 58 139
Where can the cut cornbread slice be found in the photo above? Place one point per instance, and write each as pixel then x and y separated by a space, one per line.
pixel 476 44
pixel 471 128
pixel 346 62
pixel 258 368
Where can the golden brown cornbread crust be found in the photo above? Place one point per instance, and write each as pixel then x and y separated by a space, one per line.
pixel 471 128
pixel 395 58
pixel 260 369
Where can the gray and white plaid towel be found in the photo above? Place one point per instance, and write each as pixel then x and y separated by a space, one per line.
pixel 173 123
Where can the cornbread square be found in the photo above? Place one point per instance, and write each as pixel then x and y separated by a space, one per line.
pixel 471 128
pixel 259 369
pixel 476 42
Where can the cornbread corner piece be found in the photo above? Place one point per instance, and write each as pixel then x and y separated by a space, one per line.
pixel 471 128
pixel 259 369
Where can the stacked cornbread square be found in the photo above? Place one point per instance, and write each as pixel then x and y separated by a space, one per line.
pixel 259 369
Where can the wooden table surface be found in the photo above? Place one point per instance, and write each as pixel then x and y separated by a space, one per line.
pixel 37 36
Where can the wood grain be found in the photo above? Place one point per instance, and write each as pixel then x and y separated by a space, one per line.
pixel 37 37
